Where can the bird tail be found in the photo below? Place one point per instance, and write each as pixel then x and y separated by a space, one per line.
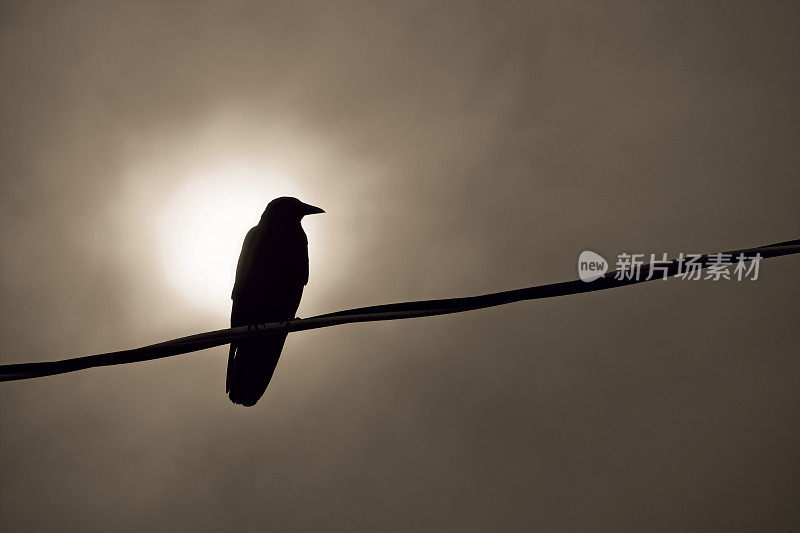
pixel 251 364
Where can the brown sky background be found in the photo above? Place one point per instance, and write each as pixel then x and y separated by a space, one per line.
pixel 458 148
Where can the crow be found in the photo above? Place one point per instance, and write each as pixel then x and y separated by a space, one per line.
pixel 270 276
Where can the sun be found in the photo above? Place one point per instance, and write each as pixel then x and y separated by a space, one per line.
pixel 202 227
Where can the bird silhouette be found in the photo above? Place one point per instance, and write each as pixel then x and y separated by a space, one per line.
pixel 270 276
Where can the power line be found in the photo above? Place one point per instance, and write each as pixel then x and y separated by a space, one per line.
pixel 394 311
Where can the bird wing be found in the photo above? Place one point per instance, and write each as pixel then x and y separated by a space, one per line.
pixel 246 259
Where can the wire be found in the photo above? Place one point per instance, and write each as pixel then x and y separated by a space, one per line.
pixel 395 311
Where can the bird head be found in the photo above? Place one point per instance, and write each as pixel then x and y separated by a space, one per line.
pixel 288 208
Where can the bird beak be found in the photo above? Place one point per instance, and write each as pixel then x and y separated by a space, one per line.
pixel 311 209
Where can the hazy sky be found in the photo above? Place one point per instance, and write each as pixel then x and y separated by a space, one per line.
pixel 458 148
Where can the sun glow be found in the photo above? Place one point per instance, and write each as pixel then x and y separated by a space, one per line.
pixel 203 225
